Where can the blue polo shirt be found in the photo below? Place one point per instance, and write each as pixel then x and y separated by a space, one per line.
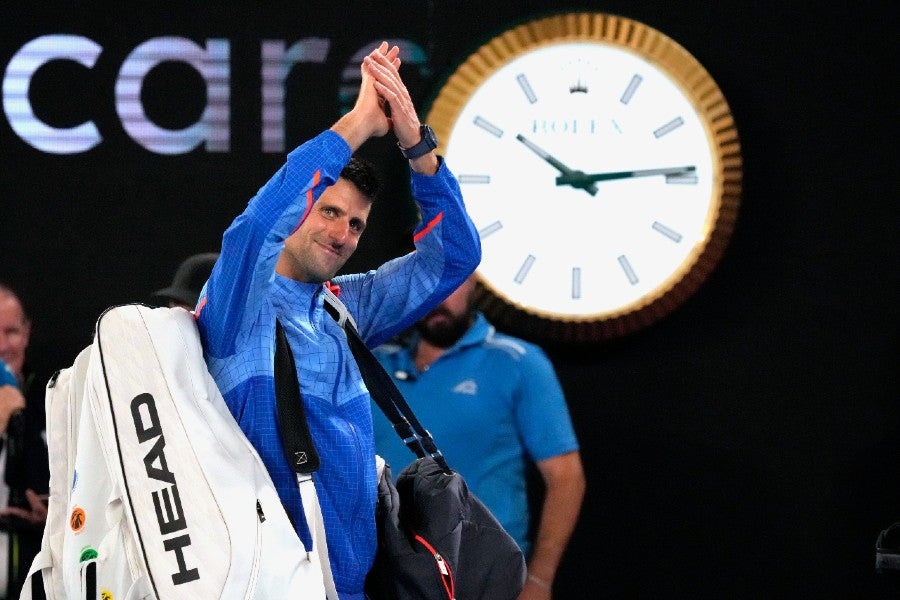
pixel 492 402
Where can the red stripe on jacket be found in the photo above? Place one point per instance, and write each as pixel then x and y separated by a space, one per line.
pixel 317 176
pixel 429 227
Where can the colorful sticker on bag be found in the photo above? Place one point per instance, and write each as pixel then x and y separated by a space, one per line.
pixel 87 554
pixel 77 519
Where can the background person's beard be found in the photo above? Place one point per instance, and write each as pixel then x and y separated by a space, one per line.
pixel 444 334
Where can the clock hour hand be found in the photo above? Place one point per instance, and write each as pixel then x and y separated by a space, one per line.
pixel 580 178
pixel 572 177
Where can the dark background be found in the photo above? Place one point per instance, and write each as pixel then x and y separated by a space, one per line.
pixel 746 446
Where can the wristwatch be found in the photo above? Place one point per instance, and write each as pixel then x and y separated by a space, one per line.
pixel 425 145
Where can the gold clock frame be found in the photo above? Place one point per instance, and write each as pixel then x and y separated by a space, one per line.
pixel 721 132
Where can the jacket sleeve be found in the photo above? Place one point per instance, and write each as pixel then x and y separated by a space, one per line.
pixel 391 298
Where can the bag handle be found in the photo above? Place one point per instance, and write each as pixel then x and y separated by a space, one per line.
pixel 299 448
pixel 385 393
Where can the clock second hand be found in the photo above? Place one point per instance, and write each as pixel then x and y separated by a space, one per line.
pixel 574 178
pixel 580 178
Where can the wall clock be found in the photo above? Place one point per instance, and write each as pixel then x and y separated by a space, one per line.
pixel 601 165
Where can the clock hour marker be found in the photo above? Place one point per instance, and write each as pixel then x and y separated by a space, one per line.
pixel 669 233
pixel 685 177
pixel 474 179
pixel 492 228
pixel 629 272
pixel 523 270
pixel 488 126
pixel 669 127
pixel 576 283
pixel 631 89
pixel 526 87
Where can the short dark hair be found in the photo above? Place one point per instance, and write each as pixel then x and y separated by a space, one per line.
pixel 363 174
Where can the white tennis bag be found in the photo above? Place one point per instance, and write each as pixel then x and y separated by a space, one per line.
pixel 155 492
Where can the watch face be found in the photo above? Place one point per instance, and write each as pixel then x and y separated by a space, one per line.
pixel 592 172
pixel 428 137
pixel 426 144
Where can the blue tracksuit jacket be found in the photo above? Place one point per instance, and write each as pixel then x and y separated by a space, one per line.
pixel 236 316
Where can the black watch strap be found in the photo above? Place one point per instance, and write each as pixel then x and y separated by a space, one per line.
pixel 425 145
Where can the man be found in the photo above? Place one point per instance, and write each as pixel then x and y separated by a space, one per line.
pixel 491 401
pixel 294 236
pixel 189 279
pixel 11 399
pixel 25 468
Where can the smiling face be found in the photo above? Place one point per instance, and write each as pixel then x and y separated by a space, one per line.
pixel 329 235
pixel 15 331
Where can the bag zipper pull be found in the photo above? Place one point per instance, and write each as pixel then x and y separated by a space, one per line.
pixel 441 564
pixel 443 567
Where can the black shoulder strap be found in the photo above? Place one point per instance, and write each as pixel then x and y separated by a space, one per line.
pixel 385 393
pixel 299 448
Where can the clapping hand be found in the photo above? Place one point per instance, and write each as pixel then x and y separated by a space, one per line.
pixel 34 516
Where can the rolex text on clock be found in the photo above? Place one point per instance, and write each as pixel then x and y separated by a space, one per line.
pixel 601 165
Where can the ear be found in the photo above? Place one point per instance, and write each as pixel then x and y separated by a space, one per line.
pixel 26 331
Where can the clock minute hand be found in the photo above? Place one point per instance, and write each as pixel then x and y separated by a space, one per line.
pixel 581 178
pixel 572 177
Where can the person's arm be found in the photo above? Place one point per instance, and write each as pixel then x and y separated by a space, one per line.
pixel 34 516
pixel 448 248
pixel 369 115
pixel 238 285
pixel 12 402
pixel 404 121
pixel 565 485
pixel 547 432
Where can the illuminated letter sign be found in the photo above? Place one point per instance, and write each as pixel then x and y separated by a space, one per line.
pixel 212 64
pixel 31 57
pixel 276 65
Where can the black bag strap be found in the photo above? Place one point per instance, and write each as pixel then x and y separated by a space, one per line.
pixel 299 448
pixel 385 393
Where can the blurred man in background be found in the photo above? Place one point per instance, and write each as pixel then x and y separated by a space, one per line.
pixel 23 458
pixel 493 403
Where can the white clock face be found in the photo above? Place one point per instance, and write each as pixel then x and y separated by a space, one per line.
pixel 589 175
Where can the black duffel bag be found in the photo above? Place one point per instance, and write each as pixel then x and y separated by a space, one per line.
pixel 436 540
